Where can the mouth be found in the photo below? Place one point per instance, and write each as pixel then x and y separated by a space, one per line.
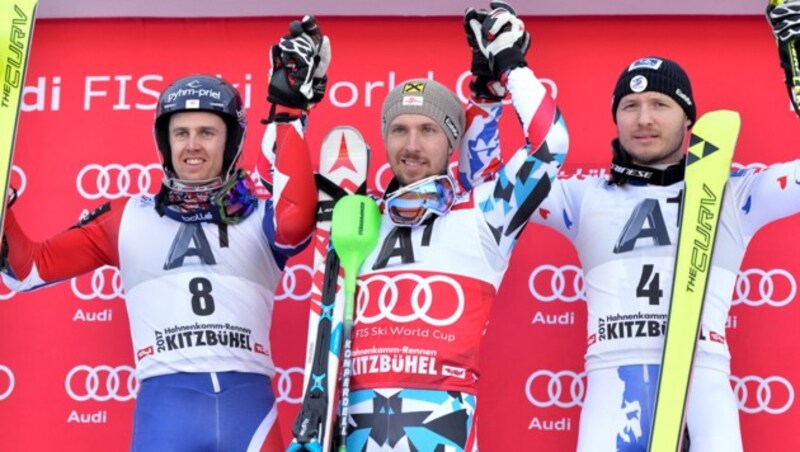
pixel 193 162
pixel 645 137
pixel 412 162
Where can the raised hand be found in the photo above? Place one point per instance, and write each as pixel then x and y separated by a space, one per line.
pixel 484 86
pixel 784 18
pixel 502 38
pixel 299 66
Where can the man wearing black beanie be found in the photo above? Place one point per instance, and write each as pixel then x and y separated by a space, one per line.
pixel 625 230
pixel 650 89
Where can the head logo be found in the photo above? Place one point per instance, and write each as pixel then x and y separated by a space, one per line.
pixel 773 395
pixel 105 284
pixel 289 385
pixel 646 63
pixel 757 287
pixel 564 389
pixel 116 181
pixel 378 298
pixel 101 383
pixel 550 283
pixel 418 88
pixel 638 83
pixel 291 283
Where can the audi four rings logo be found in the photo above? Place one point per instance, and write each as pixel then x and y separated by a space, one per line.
pixel 564 389
pixel 285 387
pixel 116 181
pixel 754 286
pixel 6 382
pixel 101 383
pixel 773 395
pixel 754 394
pixel 549 283
pixel 18 179
pixel 757 287
pixel 379 294
pixel 295 283
pixel 105 283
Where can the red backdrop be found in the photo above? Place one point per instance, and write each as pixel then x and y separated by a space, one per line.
pixel 85 137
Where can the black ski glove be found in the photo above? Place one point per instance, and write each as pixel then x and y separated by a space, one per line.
pixel 784 18
pixel 299 66
pixel 483 85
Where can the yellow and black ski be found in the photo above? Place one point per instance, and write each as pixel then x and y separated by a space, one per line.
pixel 16 33
pixel 708 164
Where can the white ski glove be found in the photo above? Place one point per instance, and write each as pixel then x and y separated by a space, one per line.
pixel 501 37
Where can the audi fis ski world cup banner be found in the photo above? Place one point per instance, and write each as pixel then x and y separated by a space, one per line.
pixel 85 138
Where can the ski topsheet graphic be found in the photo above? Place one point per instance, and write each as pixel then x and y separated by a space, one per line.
pixel 16 33
pixel 344 161
pixel 708 164
pixel 355 226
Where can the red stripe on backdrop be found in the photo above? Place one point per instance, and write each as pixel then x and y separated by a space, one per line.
pixel 91 90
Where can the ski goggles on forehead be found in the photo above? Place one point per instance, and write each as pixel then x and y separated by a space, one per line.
pixel 413 204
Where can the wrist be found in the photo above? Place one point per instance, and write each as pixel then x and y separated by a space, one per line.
pixel 282 113
pixel 480 65
pixel 485 90
pixel 506 59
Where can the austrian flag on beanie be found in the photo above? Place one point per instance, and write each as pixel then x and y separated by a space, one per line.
pixel 656 74
pixel 426 97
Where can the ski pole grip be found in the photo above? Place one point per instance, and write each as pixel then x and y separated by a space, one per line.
pixel 355 224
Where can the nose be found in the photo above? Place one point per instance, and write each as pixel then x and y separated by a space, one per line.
pixel 645 115
pixel 193 141
pixel 413 143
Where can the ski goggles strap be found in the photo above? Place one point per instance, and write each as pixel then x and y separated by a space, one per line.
pixel 413 204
